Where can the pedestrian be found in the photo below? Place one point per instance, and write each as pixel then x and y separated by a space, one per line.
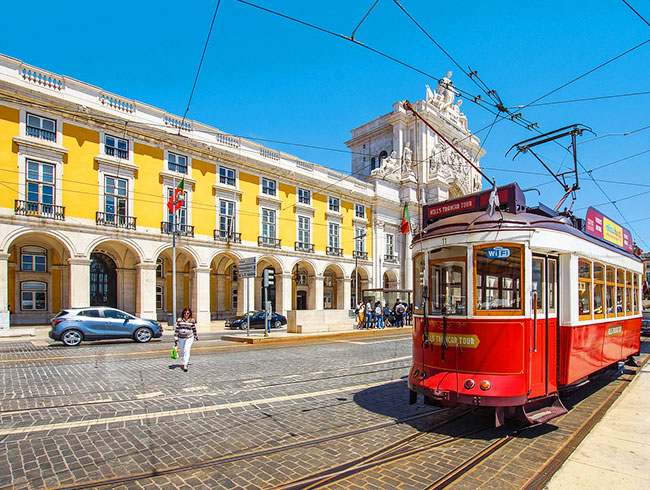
pixel 399 313
pixel 379 315
pixel 185 335
pixel 368 315
pixel 387 316
pixel 360 311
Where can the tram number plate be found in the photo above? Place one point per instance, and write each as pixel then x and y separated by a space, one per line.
pixel 614 330
pixel 455 340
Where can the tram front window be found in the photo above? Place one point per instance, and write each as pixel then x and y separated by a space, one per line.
pixel 448 281
pixel 498 277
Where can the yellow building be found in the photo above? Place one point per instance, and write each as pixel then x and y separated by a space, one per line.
pixel 84 218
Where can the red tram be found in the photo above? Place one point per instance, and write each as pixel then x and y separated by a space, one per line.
pixel 511 307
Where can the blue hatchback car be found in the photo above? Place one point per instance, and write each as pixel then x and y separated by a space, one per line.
pixel 73 325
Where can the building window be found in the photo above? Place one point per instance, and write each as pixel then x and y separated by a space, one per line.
pixel 390 244
pixel 177 163
pixel 304 196
pixel 360 241
pixel 160 295
pixel 226 216
pixel 304 229
pixel 373 164
pixel 584 289
pixel 333 235
pixel 33 296
pixel 115 198
pixel 334 204
pixel 33 259
pixel 268 223
pixel 40 185
pixel 359 211
pixel 181 214
pixel 160 268
pixel 234 273
pixel 41 127
pixel 116 147
pixel 268 187
pixel 226 176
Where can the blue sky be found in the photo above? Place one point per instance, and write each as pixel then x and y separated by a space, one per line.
pixel 266 77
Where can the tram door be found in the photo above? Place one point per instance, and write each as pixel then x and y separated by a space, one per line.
pixel 543 327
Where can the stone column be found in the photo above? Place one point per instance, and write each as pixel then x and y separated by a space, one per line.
pixel 318 293
pixel 200 295
pixel 257 297
pixel 145 290
pixel 283 292
pixel 243 293
pixel 79 282
pixel 220 292
pixel 380 248
pixel 345 291
pixel 4 291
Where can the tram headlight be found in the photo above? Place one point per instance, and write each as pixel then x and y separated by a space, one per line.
pixel 415 373
pixel 469 384
pixel 485 385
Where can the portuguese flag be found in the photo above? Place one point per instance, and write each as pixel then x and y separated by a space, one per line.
pixel 176 201
pixel 406 219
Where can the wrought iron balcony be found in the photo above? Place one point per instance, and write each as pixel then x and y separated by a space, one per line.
pixel 390 258
pixel 304 247
pixel 116 220
pixel 116 152
pixel 181 229
pixel 267 241
pixel 39 209
pixel 43 134
pixel 359 254
pixel 334 251
pixel 227 236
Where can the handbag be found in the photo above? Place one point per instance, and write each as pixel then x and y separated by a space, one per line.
pixel 174 354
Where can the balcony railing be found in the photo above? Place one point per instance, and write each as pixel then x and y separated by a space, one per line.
pixel 116 220
pixel 41 210
pixel 181 229
pixel 43 134
pixel 267 241
pixel 116 152
pixel 359 254
pixel 390 258
pixel 334 251
pixel 304 247
pixel 227 236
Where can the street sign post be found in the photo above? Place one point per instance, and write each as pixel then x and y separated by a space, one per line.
pixel 247 269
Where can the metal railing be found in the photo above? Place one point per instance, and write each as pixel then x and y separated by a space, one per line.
pixel 39 209
pixel 266 241
pixel 227 236
pixel 43 134
pixel 116 220
pixel 181 229
pixel 334 251
pixel 116 152
pixel 359 254
pixel 304 247
pixel 390 258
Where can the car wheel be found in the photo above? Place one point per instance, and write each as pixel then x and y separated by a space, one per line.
pixel 142 335
pixel 242 326
pixel 72 338
pixel 277 324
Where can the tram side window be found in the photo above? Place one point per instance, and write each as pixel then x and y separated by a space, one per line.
pixel 584 289
pixel 418 282
pixel 538 282
pixel 498 273
pixel 628 293
pixel 610 291
pixel 552 278
pixel 599 286
pixel 620 292
pixel 635 296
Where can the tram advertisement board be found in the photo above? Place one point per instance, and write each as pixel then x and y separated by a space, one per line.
pixel 599 225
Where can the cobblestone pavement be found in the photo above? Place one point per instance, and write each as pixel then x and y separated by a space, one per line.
pixel 249 416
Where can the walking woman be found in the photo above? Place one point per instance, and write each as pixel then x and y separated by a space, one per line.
pixel 185 335
pixel 361 308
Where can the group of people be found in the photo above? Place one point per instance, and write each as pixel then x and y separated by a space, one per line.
pixel 379 316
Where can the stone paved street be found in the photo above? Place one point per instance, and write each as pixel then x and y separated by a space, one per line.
pixel 253 416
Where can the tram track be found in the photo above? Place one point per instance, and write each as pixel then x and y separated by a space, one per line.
pixel 445 416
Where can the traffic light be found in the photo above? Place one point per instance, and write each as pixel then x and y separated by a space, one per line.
pixel 269 277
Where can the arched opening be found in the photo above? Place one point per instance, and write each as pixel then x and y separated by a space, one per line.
pixel 224 287
pixel 103 280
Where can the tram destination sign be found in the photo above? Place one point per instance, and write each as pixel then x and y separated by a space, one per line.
pixel 600 226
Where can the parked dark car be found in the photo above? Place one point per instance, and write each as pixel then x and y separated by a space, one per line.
pixel 73 325
pixel 257 320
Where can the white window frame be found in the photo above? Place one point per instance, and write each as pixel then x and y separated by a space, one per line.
pixel 55 191
pixel 32 251
pixel 232 228
pixel 265 185
pixel 357 208
pixel 33 291
pixel 160 297
pixel 116 196
pixel 116 148
pixel 227 177
pixel 301 197
pixel 360 243
pixel 333 202
pixel 301 230
pixel 333 226
pixel 269 224
pixel 390 244
pixel 188 164
pixel 40 128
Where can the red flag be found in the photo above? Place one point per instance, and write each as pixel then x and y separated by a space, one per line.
pixel 176 201
pixel 406 220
